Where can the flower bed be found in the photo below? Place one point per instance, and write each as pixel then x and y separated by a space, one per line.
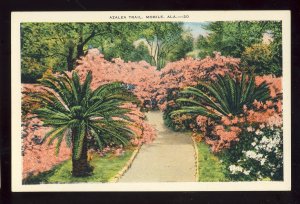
pixel 248 137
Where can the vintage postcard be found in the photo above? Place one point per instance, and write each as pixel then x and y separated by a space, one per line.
pixel 151 101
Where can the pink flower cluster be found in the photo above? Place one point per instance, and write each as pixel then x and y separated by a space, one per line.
pixel 220 134
pixel 269 114
pixel 37 157
pixel 150 84
pixel 225 134
pixel 142 76
pixel 275 84
pixel 189 71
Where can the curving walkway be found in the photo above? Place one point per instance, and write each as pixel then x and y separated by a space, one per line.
pixel 169 158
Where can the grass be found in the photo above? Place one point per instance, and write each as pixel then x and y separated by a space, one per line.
pixel 210 167
pixel 104 169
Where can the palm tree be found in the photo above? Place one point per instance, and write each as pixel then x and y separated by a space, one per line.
pixel 81 115
pixel 224 96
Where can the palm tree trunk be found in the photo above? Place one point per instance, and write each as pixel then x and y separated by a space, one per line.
pixel 81 167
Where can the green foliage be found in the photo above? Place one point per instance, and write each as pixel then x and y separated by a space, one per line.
pixel 59 45
pixel 172 95
pixel 266 58
pixel 140 53
pixel 162 39
pixel 210 167
pixel 259 59
pixel 184 46
pixel 204 47
pixel 231 38
pixel 105 168
pixel 221 97
pixel 234 38
pixel 275 30
pixel 77 113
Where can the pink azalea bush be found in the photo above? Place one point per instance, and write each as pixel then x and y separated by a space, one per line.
pixel 227 130
pixel 189 71
pixel 175 76
pixel 251 144
pixel 141 77
pixel 39 157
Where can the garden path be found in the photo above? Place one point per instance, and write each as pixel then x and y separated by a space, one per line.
pixel 170 157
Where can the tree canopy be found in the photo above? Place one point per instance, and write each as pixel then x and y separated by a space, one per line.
pixel 59 45
pixel 232 38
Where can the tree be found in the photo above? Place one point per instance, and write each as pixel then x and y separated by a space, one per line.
pixel 161 37
pixel 140 53
pixel 118 42
pixel 275 30
pixel 181 48
pixel 203 45
pixel 59 45
pixel 231 38
pixel 241 39
pixel 81 115
pixel 266 57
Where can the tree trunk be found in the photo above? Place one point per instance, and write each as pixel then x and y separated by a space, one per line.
pixel 81 167
pixel 70 60
pixel 80 52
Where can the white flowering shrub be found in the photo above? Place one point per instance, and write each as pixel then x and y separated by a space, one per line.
pixel 257 156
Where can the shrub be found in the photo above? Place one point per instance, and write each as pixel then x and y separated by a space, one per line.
pixel 222 97
pixel 188 72
pixel 259 59
pixel 179 122
pixel 37 156
pixel 258 155
pixel 140 77
pixel 222 107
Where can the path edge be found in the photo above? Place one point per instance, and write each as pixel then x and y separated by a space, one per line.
pixel 116 177
pixel 196 159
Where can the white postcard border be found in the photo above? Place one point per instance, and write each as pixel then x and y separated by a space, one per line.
pixel 183 16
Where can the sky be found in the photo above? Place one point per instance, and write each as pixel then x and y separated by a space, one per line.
pixel 196 28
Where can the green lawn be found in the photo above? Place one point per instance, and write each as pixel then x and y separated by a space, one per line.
pixel 210 167
pixel 104 169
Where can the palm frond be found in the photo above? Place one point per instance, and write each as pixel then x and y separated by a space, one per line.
pixel 224 96
pixel 75 112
